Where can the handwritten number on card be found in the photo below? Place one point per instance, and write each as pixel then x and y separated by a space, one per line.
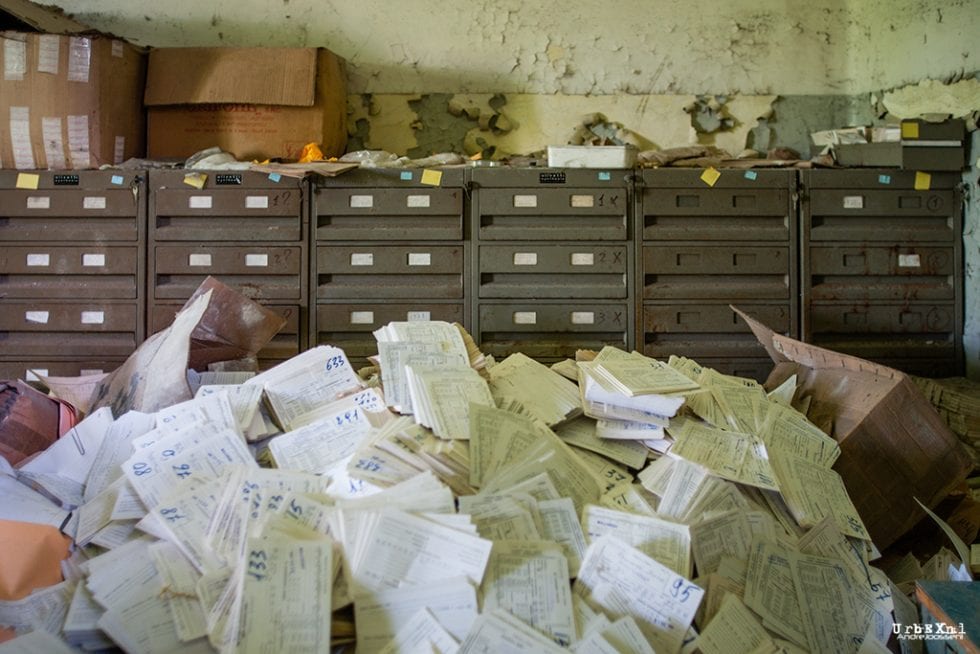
pixel 183 470
pixel 141 469
pixel 171 514
pixel 334 362
pixel 681 590
pixel 256 564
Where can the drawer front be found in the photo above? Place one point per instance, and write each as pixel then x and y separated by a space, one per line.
pixel 389 214
pixel 731 274
pixel 69 214
pixel 42 271
pixel 715 201
pixel 376 271
pixel 883 319
pixel 260 272
pixel 914 273
pixel 710 227
pixel 552 214
pixel 48 329
pixel 80 366
pixel 551 332
pixel 714 318
pixel 745 181
pixel 586 271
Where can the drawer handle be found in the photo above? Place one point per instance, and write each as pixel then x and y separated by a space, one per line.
pixel 199 202
pixel 93 317
pixel 525 318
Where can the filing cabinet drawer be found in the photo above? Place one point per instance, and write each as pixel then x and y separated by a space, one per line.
pixel 522 271
pixel 260 272
pixel 736 260
pixel 48 329
pixel 925 319
pixel 29 370
pixel 714 318
pixel 882 273
pixel 72 206
pixel 42 271
pixel 565 317
pixel 551 331
pixel 566 213
pixel 374 271
pixel 715 201
pixel 232 206
pixel 388 214
pixel 695 227
pixel 731 274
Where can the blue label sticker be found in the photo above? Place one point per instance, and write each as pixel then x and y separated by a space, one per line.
pixel 604 176
pixel 407 175
pixel 884 179
pixel 118 180
pixel 751 174
pixel 275 177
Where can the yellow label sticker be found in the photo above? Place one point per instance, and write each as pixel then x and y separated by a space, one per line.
pixel 195 179
pixel 710 176
pixel 28 181
pixel 431 177
pixel 922 181
pixel 910 130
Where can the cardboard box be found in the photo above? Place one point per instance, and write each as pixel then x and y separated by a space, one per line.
pixel 591 156
pixel 69 102
pixel 894 446
pixel 257 103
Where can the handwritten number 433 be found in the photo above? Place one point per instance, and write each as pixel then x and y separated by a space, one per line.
pixel 256 564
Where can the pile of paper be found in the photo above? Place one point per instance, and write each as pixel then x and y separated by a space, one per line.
pixel 685 510
pixel 957 400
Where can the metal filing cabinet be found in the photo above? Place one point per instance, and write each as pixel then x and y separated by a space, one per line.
pixel 249 230
pixel 71 271
pixel 388 247
pixel 882 267
pixel 706 246
pixel 553 260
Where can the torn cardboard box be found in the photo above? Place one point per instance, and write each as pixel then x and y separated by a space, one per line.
pixel 894 446
pixel 257 103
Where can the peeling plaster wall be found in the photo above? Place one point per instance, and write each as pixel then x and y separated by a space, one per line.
pixel 581 46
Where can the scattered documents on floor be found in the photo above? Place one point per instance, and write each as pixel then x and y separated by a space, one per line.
pixel 453 504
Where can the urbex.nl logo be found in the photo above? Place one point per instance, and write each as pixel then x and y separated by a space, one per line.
pixel 929 631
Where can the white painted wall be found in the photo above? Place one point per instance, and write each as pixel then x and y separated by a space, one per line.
pixel 581 46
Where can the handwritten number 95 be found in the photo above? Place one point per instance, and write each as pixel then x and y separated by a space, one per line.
pixel 681 590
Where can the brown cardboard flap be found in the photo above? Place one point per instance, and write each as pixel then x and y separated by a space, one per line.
pixel 271 76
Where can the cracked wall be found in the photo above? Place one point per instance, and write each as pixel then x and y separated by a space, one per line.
pixel 582 46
